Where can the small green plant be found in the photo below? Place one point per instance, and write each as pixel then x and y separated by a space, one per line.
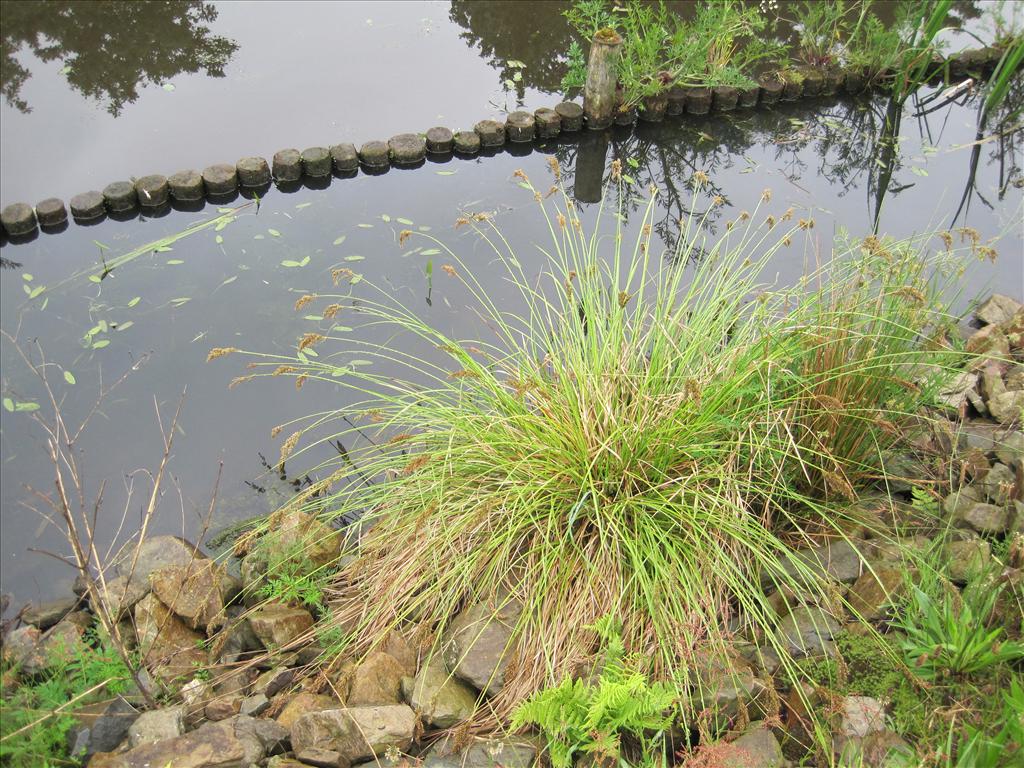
pixel 295 580
pixel 949 638
pixel 823 28
pixel 35 718
pixel 622 713
pixel 995 744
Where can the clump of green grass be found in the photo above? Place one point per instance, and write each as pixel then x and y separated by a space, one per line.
pixel 639 438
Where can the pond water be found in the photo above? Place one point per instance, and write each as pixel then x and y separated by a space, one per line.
pixel 234 280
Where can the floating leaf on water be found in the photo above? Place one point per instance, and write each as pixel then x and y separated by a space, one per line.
pixel 26 277
pixel 429 269
pixel 405 221
pixel 304 262
pixel 168 86
pixel 229 280
pixel 424 229
pixel 46 300
pixel 339 240
pixel 102 326
pixel 341 372
pixel 311 353
pixel 9 404
pixel 302 356
pixel 273 233
pixel 101 344
pixel 259 237
pixel 225 210
pixel 355 279
pixel 918 171
pixel 384 217
pixel 431 252
pixel 413 252
pixel 219 239
pixel 290 263
pixel 174 262
pixel 354 257
pixel 65 69
pixel 134 301
pixel 26 407
pixel 102 246
pixel 27 290
pixel 341 329
pixel 516 64
pixel 126 325
pixel 524 185
pixel 162 249
pixel 360 362
pixel 69 377
pixel 300 206
pixel 633 162
pixel 181 300
pixel 517 76
pixel 313 317
pixel 36 291
pixel 509 84
pixel 365 226
pixel 445 173
pixel 628 179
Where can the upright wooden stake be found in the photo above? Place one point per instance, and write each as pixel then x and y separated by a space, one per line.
pixel 602 76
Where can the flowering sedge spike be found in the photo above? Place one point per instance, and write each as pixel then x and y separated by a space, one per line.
pixel 220 352
pixel 766 195
pixel 700 178
pixel 561 220
pixel 461 222
pixel 404 235
pixel 300 381
pixel 718 200
pixel 276 431
pixel 311 339
pixel 238 380
pixel 283 369
pixel 556 169
pixel 331 310
pixel 616 170
pixel 288 446
pixel 449 270
pixel 304 301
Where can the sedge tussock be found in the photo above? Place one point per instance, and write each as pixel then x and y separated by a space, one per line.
pixel 645 440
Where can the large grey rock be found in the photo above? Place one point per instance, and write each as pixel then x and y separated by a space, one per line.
pixel 510 752
pixel 156 552
pixel 1008 407
pixel 983 518
pixel 47 614
pixel 967 559
pixel 756 748
pixel 477 648
pixel 157 725
pixel 304 703
pixel 839 560
pixel 21 649
pixel 438 697
pixel 356 733
pixel 300 535
pixel 859 717
pixel 872 595
pixel 999 483
pixel 997 309
pixel 120 594
pixel 213 745
pixel 808 631
pixel 100 728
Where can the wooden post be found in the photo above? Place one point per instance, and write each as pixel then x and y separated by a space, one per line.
pixel 602 75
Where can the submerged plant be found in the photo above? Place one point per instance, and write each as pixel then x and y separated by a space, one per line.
pixel 644 439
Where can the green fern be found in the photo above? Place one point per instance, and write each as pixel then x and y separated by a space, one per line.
pixel 578 718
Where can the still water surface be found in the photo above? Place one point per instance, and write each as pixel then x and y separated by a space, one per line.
pixel 236 285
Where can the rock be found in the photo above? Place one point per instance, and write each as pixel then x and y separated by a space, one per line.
pixel 967 559
pixel 284 762
pixel 983 518
pixel 997 309
pixel 726 688
pixel 958 502
pixel 273 680
pixel 438 697
pixel 838 560
pixel 858 718
pixel 509 752
pixel 300 535
pixel 193 592
pixel 100 727
pixel 56 648
pixel 356 733
pixel 476 646
pixel 237 640
pixel 1010 448
pixel 254 705
pixel 45 615
pixel 953 394
pixel 277 625
pixel 756 748
pixel 213 745
pixel 270 737
pixel 169 647
pixel 1008 407
pixel 808 631
pixel 989 342
pixel 195 695
pixel 223 707
pixel 377 680
pixel 322 758
pixel 302 704
pixel 872 594
pixel 999 483
pixel 21 649
pixel 157 725
pixel 398 647
pixel 120 594
pixel 157 552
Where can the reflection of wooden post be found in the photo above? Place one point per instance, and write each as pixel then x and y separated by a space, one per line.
pixel 602 75
pixel 591 152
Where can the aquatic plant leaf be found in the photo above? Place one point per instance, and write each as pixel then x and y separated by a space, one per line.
pixel 273 233
pixel 509 84
pixel 918 171
pixel 134 301
pixel 445 173
pixel 339 240
pixel 69 377
pixel 218 239
pixel 26 407
pixel 304 262
pixel 311 353
pixel 354 257
pixel 633 162
pixel 290 263
pixel 126 325
pixel 95 279
pixel 36 291
pixel 173 262
pixel 181 300
pixel 102 246
pixel 401 220
pixel 27 277
pixel 101 344
pixel 517 76
pixel 384 217
pixel 365 226
pixel 9 404
pixel 300 206
pixel 162 249
pixel 524 185
pixel 424 229
pixel 360 363
pixel 313 317
pixel 168 87
pixel 431 252
pixel 66 69
pixel 229 280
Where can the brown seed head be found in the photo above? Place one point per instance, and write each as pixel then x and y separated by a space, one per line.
pixel 220 352
pixel 310 339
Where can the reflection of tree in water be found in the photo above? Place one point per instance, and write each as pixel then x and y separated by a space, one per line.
pixel 531 31
pixel 112 48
